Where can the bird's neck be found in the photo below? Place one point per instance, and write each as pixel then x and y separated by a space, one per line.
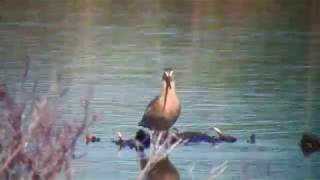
pixel 171 90
pixel 171 98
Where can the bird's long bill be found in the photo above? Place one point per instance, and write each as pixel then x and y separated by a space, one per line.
pixel 166 93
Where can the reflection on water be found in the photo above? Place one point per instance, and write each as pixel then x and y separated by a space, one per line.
pixel 243 66
pixel 163 170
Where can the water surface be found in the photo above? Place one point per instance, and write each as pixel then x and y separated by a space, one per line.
pixel 243 66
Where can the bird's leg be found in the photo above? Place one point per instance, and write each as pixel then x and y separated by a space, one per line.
pixel 158 138
pixel 172 138
pixel 154 139
pixel 164 139
pixel 161 141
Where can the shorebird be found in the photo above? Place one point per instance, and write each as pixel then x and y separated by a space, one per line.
pixel 163 111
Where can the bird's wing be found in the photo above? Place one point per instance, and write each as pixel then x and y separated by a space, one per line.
pixel 151 104
pixel 144 119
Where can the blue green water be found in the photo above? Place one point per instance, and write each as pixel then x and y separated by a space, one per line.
pixel 242 66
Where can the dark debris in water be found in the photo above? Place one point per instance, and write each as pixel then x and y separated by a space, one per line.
pixel 309 143
pixel 142 139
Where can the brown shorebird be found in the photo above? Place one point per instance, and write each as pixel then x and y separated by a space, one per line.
pixel 163 111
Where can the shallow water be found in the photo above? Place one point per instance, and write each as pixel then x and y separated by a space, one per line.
pixel 243 66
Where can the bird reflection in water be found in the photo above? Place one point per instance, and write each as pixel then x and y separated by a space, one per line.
pixel 158 166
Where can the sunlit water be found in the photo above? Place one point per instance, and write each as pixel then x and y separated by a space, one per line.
pixel 243 66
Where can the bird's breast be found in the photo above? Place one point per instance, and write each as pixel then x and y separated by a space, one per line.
pixel 172 107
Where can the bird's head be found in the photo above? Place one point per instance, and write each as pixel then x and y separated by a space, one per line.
pixel 168 81
pixel 167 77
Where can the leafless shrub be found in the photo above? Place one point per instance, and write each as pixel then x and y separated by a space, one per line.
pixel 35 145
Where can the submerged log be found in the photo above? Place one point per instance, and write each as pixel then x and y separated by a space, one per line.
pixel 142 138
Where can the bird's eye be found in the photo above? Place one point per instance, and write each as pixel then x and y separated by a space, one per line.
pixel 170 73
pixel 166 73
